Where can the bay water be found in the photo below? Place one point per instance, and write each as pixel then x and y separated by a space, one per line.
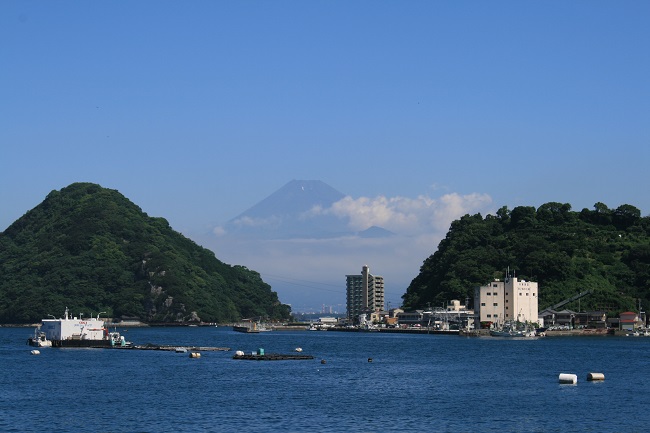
pixel 357 382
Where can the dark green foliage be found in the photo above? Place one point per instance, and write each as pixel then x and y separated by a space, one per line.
pixel 92 250
pixel 565 252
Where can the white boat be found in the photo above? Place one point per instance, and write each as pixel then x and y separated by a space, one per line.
pixel 39 339
pixel 640 332
pixel 78 332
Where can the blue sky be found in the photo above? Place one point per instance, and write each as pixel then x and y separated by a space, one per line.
pixel 197 110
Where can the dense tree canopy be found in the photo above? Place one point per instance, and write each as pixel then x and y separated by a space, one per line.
pixel 92 250
pixel 606 250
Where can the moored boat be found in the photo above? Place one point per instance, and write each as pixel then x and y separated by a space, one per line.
pixel 251 327
pixel 39 339
pixel 78 332
pixel 512 329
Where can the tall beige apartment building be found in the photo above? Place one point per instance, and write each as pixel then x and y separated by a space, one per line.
pixel 364 293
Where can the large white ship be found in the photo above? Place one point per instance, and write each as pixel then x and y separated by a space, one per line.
pixel 77 332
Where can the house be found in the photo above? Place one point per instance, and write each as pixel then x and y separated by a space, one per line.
pixel 629 320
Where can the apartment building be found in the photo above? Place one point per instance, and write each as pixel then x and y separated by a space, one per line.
pixel 364 294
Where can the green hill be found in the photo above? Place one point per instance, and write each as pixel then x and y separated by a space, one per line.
pixel 92 250
pixel 566 252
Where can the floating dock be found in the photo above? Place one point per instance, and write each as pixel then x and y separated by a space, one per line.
pixel 271 357
pixel 172 348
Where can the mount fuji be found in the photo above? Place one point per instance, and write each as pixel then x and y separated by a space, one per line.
pixel 299 209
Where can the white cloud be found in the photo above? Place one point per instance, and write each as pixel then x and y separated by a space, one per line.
pixel 219 231
pixel 408 216
pixel 246 221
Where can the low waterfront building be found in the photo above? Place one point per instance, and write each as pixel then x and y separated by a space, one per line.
pixel 327 321
pixel 573 319
pixel 629 321
pixel 410 318
pixel 591 319
pixel 550 317
pixel 454 316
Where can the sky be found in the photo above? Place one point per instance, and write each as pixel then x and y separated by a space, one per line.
pixel 418 111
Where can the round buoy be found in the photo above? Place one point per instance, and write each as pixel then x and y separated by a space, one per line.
pixel 35 352
pixel 568 378
pixel 298 349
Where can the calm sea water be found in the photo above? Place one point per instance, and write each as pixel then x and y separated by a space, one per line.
pixel 414 383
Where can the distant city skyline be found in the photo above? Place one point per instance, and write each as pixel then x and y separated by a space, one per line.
pixel 418 112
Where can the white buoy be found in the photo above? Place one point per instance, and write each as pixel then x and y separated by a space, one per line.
pixel 568 378
pixel 35 352
pixel 298 349
pixel 595 376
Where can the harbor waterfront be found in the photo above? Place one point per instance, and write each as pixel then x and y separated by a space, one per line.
pixel 357 382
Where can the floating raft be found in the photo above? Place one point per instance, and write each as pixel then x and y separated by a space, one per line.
pixel 178 349
pixel 271 357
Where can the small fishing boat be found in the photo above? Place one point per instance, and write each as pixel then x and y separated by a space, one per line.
pixel 39 339
pixel 513 329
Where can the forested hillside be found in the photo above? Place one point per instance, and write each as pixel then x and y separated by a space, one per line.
pixel 607 250
pixel 92 250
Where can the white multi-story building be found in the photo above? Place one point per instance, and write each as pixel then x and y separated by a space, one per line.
pixel 364 293
pixel 502 301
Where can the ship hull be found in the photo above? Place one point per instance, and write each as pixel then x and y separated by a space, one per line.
pixel 81 343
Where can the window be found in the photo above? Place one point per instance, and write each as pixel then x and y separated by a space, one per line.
pixel 519 293
pixel 506 308
pixel 482 304
pixel 496 304
pixel 488 293
pixel 526 294
pixel 489 315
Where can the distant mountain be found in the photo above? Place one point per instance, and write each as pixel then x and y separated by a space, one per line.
pixel 376 232
pixel 295 198
pixel 300 209
pixel 92 250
